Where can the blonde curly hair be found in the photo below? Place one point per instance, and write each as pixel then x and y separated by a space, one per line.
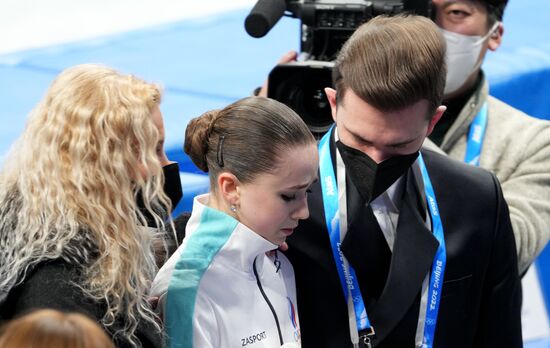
pixel 69 185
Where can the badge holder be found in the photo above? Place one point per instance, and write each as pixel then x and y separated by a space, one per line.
pixel 366 336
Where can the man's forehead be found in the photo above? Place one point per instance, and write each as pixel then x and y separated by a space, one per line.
pixel 452 2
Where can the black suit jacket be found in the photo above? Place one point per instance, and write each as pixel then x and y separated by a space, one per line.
pixel 480 303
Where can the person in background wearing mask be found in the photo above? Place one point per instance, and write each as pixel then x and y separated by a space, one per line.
pixel 404 247
pixel 73 237
pixel 484 131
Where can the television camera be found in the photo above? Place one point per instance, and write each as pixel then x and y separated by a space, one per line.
pixel 325 26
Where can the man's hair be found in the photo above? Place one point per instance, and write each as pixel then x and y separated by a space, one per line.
pixel 392 63
pixel 495 9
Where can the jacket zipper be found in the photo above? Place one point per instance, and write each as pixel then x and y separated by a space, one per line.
pixel 268 302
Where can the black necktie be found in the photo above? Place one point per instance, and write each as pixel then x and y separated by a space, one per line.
pixel 365 248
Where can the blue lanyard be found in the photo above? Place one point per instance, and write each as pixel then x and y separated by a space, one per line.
pixel 475 137
pixel 347 276
pixel 440 260
pixel 329 188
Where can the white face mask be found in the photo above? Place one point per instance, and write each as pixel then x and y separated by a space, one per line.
pixel 462 57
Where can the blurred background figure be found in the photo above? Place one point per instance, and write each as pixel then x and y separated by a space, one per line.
pixel 49 328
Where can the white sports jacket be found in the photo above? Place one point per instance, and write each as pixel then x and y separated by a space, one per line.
pixel 209 292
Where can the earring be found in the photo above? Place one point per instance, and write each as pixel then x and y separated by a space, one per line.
pixel 233 208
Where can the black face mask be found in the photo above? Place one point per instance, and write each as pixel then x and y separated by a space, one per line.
pixel 172 189
pixel 371 178
pixel 172 183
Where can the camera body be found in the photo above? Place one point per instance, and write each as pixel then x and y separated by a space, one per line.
pixel 325 27
pixel 300 85
pixel 327 24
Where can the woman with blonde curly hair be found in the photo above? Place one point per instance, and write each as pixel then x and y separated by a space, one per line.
pixel 72 233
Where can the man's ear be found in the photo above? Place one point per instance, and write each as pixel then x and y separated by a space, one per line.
pixel 331 96
pixel 435 118
pixel 495 39
pixel 228 188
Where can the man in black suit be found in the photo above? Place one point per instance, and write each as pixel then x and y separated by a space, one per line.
pixel 404 247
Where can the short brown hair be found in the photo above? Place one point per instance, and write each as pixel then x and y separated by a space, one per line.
pixel 245 138
pixel 393 62
pixel 51 328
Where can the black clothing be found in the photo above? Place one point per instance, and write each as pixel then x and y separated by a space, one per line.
pixel 480 303
pixel 454 107
pixel 49 285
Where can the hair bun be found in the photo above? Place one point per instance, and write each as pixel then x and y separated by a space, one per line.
pixel 197 136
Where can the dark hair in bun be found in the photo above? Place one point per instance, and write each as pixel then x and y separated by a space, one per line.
pixel 245 138
pixel 196 138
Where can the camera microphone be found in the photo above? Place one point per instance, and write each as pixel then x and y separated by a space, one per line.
pixel 263 16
